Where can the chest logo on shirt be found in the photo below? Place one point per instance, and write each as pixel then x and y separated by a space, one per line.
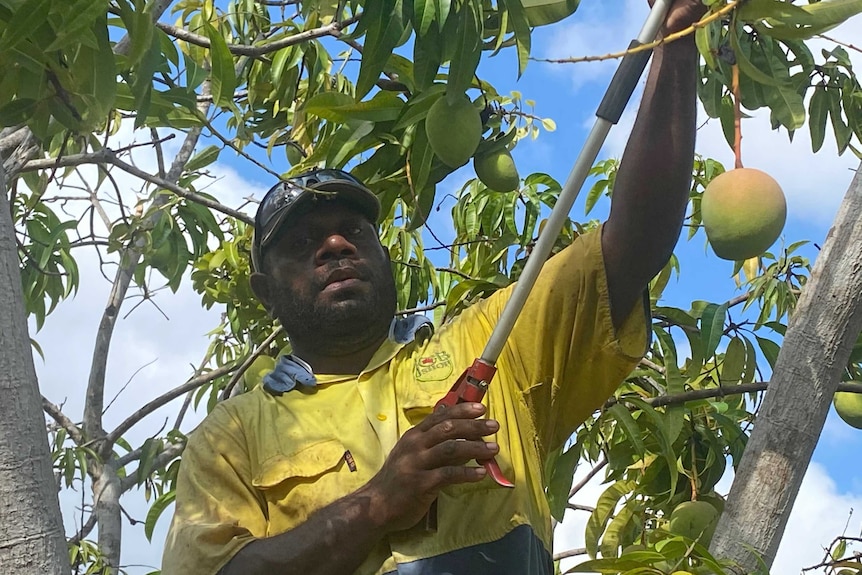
pixel 435 367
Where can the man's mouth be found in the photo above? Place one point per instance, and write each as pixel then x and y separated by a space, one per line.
pixel 341 278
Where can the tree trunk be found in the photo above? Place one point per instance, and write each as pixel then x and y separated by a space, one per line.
pixel 816 348
pixel 32 541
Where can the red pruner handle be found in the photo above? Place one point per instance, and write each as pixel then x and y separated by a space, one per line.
pixel 471 386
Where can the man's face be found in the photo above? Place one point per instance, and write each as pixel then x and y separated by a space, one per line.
pixel 329 277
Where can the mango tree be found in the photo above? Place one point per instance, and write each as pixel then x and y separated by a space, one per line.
pixel 275 82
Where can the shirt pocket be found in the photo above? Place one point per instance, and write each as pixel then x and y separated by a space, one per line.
pixel 295 485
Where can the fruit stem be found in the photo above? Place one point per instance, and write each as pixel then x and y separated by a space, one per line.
pixel 737 118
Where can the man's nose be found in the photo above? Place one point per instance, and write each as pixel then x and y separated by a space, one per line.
pixel 335 246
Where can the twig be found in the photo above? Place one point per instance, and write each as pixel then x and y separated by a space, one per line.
pixel 694 395
pixel 226 392
pixel 165 398
pixel 737 118
pixel 420 309
pixel 577 507
pixel 839 42
pixel 643 47
pixel 570 553
pixel 85 530
pixel 107 156
pixel 257 51
pixel 63 420
pixel 129 381
pixel 647 363
pixel 580 484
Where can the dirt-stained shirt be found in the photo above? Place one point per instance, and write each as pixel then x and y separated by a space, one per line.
pixel 261 464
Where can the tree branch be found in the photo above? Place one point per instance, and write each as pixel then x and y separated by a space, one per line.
pixel 171 451
pixel 85 530
pixel 107 156
pixel 570 553
pixel 165 398
pixel 580 485
pixel 63 420
pixel 226 392
pixel 331 29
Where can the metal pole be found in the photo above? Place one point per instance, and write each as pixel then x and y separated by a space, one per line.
pixel 610 110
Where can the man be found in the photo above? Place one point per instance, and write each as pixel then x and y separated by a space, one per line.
pixel 333 464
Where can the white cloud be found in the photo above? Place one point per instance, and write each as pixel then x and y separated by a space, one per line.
pixel 596 31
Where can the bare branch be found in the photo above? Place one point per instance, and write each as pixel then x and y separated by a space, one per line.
pixel 570 553
pixel 63 420
pixel 107 156
pixel 247 363
pixel 165 398
pixel 420 309
pixel 331 29
pixel 85 530
pixel 580 485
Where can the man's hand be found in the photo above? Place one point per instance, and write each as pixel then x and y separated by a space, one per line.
pixel 430 456
pixel 682 14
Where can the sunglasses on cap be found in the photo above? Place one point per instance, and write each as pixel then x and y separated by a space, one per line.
pixel 282 198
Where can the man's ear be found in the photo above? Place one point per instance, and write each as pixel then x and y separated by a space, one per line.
pixel 260 285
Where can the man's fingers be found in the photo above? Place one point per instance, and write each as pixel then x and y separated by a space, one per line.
pixel 466 410
pixel 458 452
pixel 455 474
pixel 471 429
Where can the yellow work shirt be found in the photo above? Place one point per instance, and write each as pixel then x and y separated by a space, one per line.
pixel 260 464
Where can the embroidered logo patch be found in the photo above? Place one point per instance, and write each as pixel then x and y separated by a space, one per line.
pixel 435 367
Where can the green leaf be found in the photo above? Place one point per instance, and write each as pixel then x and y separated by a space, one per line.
pixel 544 12
pixel 604 509
pixel 159 505
pixel 632 430
pixel 770 350
pixel 420 157
pixel 712 327
pixel 561 481
pixel 426 58
pixel 385 25
pixel 424 12
pixel 223 76
pixel 820 17
pixel 818 111
pixel 203 158
pixel 734 362
pixel 342 108
pixel 26 19
pixel 467 51
pixel 16 112
pixel 521 29
pixel 613 534
pixel 79 17
pixel 839 550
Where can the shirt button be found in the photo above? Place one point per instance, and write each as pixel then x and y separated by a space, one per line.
pixel 381 416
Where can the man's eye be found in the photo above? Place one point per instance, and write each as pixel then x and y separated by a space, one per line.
pixel 302 242
pixel 355 230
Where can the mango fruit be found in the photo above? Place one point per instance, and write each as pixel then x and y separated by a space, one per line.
pixel 848 405
pixel 743 212
pixel 497 170
pixel 454 130
pixel 695 520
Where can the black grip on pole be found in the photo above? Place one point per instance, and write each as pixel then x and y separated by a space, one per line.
pixel 623 84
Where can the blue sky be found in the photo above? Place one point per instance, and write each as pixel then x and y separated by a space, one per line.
pixel 568 94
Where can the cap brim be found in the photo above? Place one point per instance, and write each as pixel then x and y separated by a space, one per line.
pixel 359 196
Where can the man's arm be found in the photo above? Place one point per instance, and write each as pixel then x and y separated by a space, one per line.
pixel 337 539
pixel 652 185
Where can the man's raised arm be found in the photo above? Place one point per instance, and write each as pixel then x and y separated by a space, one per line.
pixel 654 178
